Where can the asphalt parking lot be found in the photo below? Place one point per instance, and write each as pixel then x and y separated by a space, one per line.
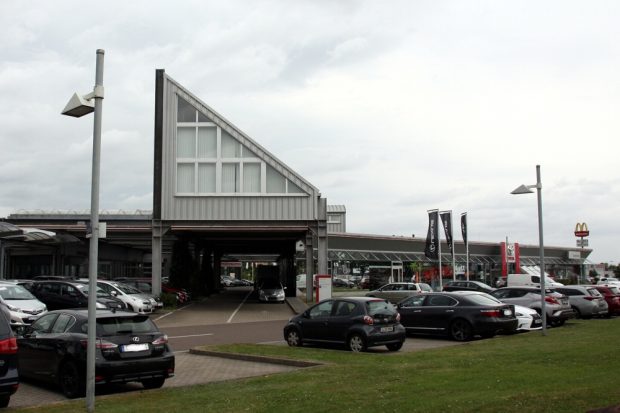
pixel 231 307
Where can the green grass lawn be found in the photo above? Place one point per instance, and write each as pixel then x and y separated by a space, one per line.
pixel 573 369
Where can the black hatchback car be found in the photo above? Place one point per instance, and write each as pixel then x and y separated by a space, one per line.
pixel 9 378
pixel 129 348
pixel 468 286
pixel 460 315
pixel 57 295
pixel 357 322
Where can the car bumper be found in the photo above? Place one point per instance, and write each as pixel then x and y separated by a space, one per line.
pixel 493 325
pixel 375 337
pixel 122 371
pixel 562 315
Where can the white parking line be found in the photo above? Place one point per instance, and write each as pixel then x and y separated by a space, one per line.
pixel 174 311
pixel 238 308
pixel 192 335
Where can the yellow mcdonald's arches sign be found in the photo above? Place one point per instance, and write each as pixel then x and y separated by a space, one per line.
pixel 581 229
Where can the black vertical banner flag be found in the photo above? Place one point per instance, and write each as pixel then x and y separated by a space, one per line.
pixel 446 219
pixel 464 226
pixel 432 236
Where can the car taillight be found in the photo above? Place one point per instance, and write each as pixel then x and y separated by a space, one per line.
pixel 100 344
pixel 8 346
pixel 551 300
pixel 491 313
pixel 368 320
pixel 160 340
pixel 589 298
pixel 397 317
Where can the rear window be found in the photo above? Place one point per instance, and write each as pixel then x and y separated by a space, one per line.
pixel 614 290
pixel 594 292
pixel 480 299
pixel 375 307
pixel 112 326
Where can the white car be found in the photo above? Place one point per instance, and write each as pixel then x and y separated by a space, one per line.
pixel 22 306
pixel 528 318
pixel 609 281
pixel 134 299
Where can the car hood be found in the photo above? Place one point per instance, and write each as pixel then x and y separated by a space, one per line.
pixel 271 290
pixel 31 305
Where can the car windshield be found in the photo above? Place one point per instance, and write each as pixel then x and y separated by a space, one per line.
pixel 84 289
pixel 614 290
pixel 425 287
pixel 113 326
pixel 271 285
pixel 127 289
pixel 15 292
pixel 380 307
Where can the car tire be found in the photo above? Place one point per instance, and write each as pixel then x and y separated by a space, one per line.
pixel 153 383
pixel 558 323
pixel 461 330
pixel 4 401
pixel 356 343
pixel 577 312
pixel 394 346
pixel 71 384
pixel 293 338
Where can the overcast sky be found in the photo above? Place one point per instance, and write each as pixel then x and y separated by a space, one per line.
pixel 391 108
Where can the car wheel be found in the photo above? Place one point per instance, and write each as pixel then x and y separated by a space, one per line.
pixel 153 383
pixel 577 312
pixel 356 343
pixel 4 401
pixel 293 338
pixel 460 330
pixel 71 383
pixel 558 323
pixel 394 346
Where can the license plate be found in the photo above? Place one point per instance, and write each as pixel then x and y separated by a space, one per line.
pixel 134 347
pixel 387 329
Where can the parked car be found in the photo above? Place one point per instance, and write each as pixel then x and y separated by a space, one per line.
pixel 9 376
pixel 23 307
pixel 468 286
pixel 57 295
pixel 271 290
pixel 395 292
pixel 586 301
pixel 460 315
pixel 609 281
pixel 129 348
pixel 146 286
pixel 611 294
pixel 557 305
pixel 134 299
pixel 357 322
pixel 529 280
pixel 528 318
pixel 342 282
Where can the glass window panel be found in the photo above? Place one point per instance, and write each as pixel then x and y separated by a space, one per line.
pixel 231 148
pixel 276 182
pixel 207 142
pixel 185 111
pixel 186 142
pixel 185 178
pixel 251 177
pixel 230 177
pixel 294 189
pixel 248 153
pixel 206 177
pixel 202 117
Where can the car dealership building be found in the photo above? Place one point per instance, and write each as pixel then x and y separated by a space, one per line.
pixel 220 197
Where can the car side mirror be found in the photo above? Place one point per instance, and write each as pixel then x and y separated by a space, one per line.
pixel 114 293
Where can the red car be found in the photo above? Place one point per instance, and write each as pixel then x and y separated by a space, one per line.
pixel 612 297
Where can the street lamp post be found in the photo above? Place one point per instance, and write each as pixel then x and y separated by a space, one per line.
pixel 527 189
pixel 79 106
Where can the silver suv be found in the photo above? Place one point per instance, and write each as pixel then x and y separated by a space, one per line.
pixel 557 305
pixel 586 301
pixel 395 292
pixel 22 306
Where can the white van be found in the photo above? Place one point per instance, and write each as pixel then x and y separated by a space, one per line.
pixel 529 280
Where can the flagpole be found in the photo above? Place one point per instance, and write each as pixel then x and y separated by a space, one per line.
pixel 453 249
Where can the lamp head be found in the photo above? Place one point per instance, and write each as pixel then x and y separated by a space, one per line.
pixel 78 106
pixel 523 189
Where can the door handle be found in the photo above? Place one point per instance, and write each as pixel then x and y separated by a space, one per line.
pixel 449 311
pixel 417 311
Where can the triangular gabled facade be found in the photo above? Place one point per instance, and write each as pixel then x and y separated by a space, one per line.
pixel 208 169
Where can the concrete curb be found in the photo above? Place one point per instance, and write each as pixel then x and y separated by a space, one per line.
pixel 255 358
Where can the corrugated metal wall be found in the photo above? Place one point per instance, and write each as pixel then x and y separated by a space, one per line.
pixel 244 208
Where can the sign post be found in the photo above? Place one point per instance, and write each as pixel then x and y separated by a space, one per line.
pixel 581 231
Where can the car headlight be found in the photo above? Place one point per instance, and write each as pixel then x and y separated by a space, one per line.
pixel 10 307
pixel 99 305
